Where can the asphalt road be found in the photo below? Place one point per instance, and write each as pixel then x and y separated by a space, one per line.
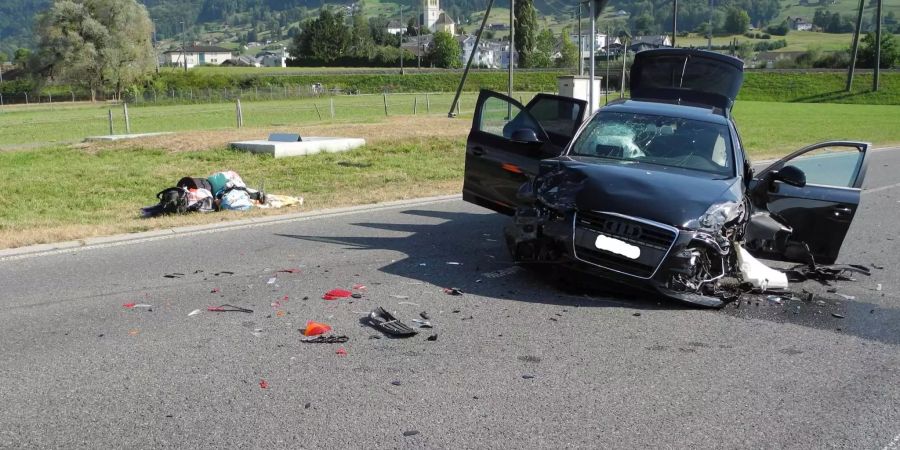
pixel 521 361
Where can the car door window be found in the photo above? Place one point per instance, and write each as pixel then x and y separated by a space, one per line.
pixel 501 118
pixel 559 117
pixel 836 166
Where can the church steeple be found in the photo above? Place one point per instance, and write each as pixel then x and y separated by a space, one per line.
pixel 432 12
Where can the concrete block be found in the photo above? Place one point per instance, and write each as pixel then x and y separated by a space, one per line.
pixel 309 146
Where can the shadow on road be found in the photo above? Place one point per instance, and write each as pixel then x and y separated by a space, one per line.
pixel 466 250
pixel 484 268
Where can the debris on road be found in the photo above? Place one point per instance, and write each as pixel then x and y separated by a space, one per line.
pixel 359 287
pixel 410 433
pixel 292 270
pixel 335 294
pixel 424 315
pixel 214 291
pixel 385 322
pixel 173 275
pixel 341 351
pixel 839 316
pixel 527 377
pixel 315 328
pixel 432 338
pixel 228 308
pixel 272 280
pixel 823 274
pixel 423 323
pixel 396 383
pixel 402 297
pixel 408 303
pixel 194 312
pixel 453 291
pixel 263 384
pixel 326 340
pixel 356 295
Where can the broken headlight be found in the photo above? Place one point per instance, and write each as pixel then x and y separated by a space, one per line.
pixel 720 214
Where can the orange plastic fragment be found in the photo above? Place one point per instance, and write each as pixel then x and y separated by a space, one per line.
pixel 315 328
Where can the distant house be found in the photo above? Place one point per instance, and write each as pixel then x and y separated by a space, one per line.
pixel 270 58
pixel 194 55
pixel 395 27
pixel 242 61
pixel 601 41
pixel 419 46
pixel 640 43
pixel 445 24
pixel 484 55
pixel 799 24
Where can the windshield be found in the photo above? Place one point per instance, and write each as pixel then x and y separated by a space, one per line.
pixel 661 140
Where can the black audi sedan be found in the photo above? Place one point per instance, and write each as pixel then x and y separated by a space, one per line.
pixel 656 191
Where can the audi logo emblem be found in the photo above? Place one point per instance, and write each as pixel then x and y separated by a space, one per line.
pixel 623 229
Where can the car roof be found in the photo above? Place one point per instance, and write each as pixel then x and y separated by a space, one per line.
pixel 699 113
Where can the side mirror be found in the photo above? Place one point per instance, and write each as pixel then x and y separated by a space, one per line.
pixel 525 135
pixel 791 175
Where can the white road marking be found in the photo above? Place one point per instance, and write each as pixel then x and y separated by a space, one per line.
pixel 879 189
pixel 894 444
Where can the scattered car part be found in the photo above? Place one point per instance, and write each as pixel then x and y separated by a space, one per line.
pixel 388 324
pixel 326 340
pixel 228 308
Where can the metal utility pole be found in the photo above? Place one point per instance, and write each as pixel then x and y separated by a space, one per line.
pixel 401 39
pixel 462 82
pixel 419 36
pixel 591 94
pixel 674 21
pixel 855 46
pixel 878 21
pixel 183 50
pixel 580 44
pixel 606 44
pixel 512 40
pixel 709 31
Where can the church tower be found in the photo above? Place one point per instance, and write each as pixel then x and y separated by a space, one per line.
pixel 432 12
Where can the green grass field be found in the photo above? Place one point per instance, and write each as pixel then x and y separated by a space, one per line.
pixel 68 192
pixel 39 124
pixel 792 8
pixel 796 40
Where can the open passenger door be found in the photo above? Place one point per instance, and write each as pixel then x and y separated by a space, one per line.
pixel 507 141
pixel 815 192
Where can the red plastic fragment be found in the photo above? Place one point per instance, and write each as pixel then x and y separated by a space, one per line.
pixel 292 270
pixel 341 351
pixel 315 328
pixel 264 384
pixel 335 294
pixel 129 305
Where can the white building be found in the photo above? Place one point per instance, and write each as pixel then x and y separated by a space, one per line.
pixel 485 56
pixel 195 55
pixel 273 58
pixel 395 27
pixel 601 42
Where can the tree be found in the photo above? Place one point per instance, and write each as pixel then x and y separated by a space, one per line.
pixel 21 57
pixel 782 29
pixel 526 30
pixel 737 21
pixel 543 49
pixel 890 52
pixel 360 38
pixel 568 51
pixel 97 43
pixel 444 51
pixel 325 38
pixel 3 57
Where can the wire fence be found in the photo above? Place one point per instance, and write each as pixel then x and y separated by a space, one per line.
pixel 54 123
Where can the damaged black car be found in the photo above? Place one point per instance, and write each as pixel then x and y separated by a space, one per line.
pixel 656 191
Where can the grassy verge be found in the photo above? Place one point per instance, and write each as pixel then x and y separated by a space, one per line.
pixel 67 193
pixel 71 192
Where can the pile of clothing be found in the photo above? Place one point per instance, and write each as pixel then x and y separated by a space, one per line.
pixel 219 191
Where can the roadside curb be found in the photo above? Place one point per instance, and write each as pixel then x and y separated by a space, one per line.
pixel 146 236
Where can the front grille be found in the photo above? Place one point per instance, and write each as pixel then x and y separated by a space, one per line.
pixel 654 241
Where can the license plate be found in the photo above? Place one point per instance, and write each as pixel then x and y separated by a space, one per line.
pixel 617 246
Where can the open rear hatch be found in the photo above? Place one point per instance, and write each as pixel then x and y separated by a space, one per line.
pixel 687 76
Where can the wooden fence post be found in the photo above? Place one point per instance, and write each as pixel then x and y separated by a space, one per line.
pixel 415 105
pixel 332 107
pixel 127 120
pixel 427 104
pixel 317 111
pixel 110 121
pixel 384 96
pixel 240 113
